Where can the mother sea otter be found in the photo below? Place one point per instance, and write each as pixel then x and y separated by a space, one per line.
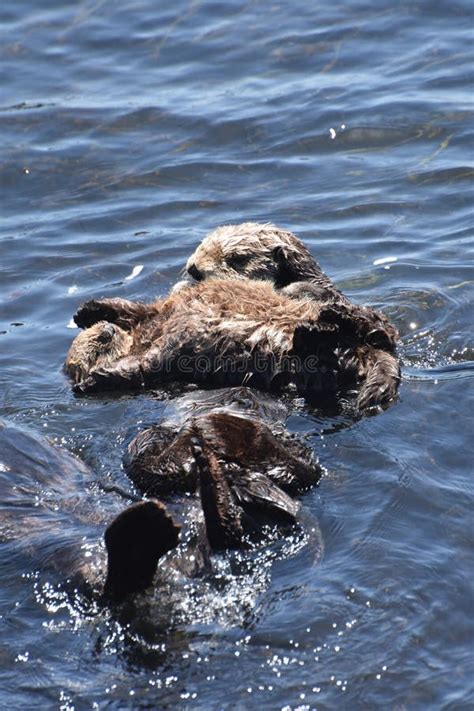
pixel 224 446
pixel 229 332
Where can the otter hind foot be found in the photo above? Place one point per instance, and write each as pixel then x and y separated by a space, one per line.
pixel 257 492
pixel 159 461
pixel 135 541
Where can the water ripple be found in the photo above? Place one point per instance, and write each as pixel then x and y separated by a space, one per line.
pixel 128 132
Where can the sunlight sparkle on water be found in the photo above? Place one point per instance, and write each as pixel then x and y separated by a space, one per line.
pixel 384 260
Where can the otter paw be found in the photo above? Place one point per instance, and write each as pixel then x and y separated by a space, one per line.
pixel 89 313
pixel 88 385
pixel 98 379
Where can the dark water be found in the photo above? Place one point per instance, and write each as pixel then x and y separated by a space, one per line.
pixel 128 131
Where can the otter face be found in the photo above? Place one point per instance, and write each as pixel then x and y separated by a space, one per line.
pixel 252 251
pixel 98 346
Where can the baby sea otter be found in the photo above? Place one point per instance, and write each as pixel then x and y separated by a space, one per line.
pixel 265 251
pixel 261 251
pixel 228 332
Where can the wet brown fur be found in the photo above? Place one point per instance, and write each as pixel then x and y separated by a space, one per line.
pixel 160 459
pixel 244 321
pixel 100 347
pixel 265 251
pixel 243 467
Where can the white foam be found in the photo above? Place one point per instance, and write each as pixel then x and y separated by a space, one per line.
pixel 384 260
pixel 135 272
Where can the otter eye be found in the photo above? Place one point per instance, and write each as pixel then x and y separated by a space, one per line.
pixel 237 261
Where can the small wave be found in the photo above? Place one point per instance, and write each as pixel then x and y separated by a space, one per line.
pixel 455 371
pixel 447 175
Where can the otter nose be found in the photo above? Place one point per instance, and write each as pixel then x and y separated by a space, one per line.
pixel 195 273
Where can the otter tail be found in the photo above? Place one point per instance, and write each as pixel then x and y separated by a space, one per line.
pixel 382 378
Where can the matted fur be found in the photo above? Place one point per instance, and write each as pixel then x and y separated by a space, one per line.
pixel 98 347
pixel 244 467
pixel 265 251
pixel 249 324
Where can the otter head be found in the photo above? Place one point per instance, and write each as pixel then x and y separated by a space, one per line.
pixel 98 346
pixel 253 251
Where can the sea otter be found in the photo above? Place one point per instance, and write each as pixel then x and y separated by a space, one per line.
pixel 100 346
pixel 229 332
pixel 224 446
pixel 244 463
pixel 48 509
pixel 265 251
pixel 262 251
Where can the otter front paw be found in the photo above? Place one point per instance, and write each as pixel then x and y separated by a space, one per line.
pixel 88 385
pixel 89 313
pixel 124 375
pixel 97 380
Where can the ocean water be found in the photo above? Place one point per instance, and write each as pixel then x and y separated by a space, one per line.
pixel 130 130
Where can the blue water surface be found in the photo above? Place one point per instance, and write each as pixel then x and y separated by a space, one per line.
pixel 128 131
